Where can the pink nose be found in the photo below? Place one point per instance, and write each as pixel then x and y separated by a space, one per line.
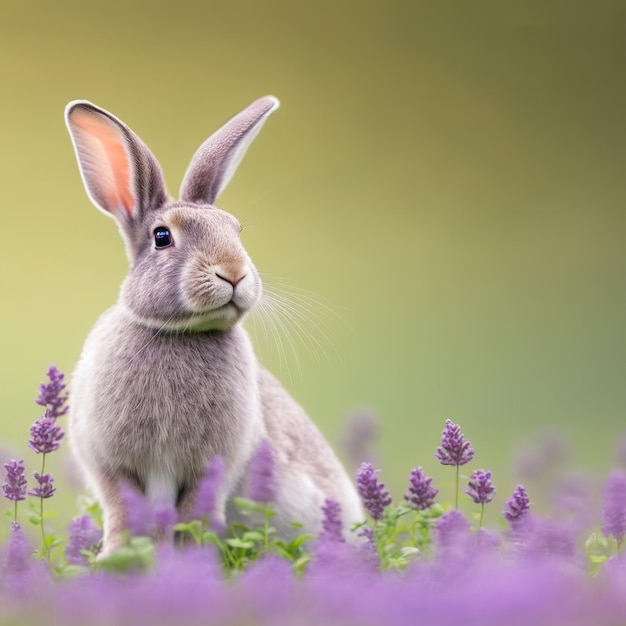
pixel 232 277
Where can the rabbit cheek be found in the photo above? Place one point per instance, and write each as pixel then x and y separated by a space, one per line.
pixel 247 292
pixel 202 290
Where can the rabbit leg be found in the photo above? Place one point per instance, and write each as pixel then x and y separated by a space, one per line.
pixel 114 515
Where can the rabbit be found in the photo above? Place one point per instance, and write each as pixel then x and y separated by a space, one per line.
pixel 168 378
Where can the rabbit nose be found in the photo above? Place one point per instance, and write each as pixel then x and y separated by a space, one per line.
pixel 231 275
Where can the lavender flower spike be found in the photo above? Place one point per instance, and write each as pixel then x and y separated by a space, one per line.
pixel 84 534
pixel 332 526
pixel 51 394
pixel 44 488
pixel 262 480
pixel 45 434
pixel 517 506
pixel 451 528
pixel 454 449
pixel 614 510
pixel 480 488
pixel 15 486
pixel 374 495
pixel 208 489
pixel 421 495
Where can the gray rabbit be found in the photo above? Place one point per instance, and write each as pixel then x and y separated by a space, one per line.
pixel 168 377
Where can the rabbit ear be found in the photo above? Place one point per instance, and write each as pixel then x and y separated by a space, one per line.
pixel 215 162
pixel 121 175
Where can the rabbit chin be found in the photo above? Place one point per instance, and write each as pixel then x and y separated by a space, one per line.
pixel 222 318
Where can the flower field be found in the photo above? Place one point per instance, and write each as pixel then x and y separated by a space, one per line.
pixel 410 562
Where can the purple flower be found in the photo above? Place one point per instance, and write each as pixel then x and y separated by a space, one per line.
pixel 454 450
pixel 369 546
pixel 262 480
pixel 44 487
pixel 571 494
pixel 84 535
pixel 45 434
pixel 15 486
pixel 332 526
pixel 421 495
pixel 165 516
pixel 18 554
pixel 361 434
pixel 480 488
pixel 451 527
pixel 51 394
pixel 544 537
pixel 614 510
pixel 139 510
pixel 517 506
pixel 374 495
pixel 208 488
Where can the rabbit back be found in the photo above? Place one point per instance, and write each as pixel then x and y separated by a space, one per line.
pixel 308 468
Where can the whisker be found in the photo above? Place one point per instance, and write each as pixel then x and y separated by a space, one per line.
pixel 289 314
pixel 272 323
pixel 295 317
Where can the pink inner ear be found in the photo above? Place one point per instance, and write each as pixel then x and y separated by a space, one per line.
pixel 110 158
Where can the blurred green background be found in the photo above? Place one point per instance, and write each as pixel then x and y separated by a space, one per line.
pixel 448 175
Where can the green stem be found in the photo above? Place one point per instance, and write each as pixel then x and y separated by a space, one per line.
pixel 456 491
pixel 15 513
pixel 482 512
pixel 416 520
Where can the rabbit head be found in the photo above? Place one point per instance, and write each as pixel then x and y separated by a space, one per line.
pixel 188 267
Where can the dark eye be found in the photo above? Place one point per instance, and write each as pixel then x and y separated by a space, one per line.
pixel 162 237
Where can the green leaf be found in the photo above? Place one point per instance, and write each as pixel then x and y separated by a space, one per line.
pixel 95 510
pixel 597 543
pixel 193 529
pixel 597 558
pixel 399 511
pixel 34 517
pixel 68 570
pixel 119 560
pixel 238 526
pixel 138 554
pixel 298 541
pixel 244 504
pixel 50 541
pixel 300 563
pixel 239 543
pixel 281 549
pixel 254 536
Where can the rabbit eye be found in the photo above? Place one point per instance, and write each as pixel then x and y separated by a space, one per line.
pixel 162 237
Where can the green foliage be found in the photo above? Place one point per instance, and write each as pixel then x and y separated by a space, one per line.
pixel 403 533
pixel 138 553
pixel 242 544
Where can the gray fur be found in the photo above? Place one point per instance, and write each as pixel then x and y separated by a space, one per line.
pixel 168 377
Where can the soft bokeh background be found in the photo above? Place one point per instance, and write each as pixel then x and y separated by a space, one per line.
pixel 448 175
